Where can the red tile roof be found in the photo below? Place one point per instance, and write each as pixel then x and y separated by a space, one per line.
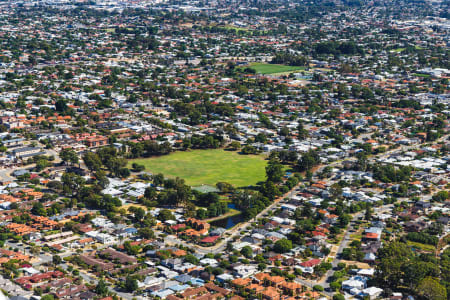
pixel 310 263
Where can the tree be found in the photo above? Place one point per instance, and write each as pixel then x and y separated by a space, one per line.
pixel 191 259
pixel 131 284
pixel 138 212
pixel 183 192
pixel 335 285
pixel 274 171
pixel 343 220
pixel 158 179
pixel 441 196
pixel 137 167
pixel 338 297
pixel 430 288
pixel 92 161
pixel 131 249
pixel 282 246
pixel 335 191
pixel 302 132
pixel 116 165
pixel 69 155
pixel 35 250
pixel 318 288
pixel 247 252
pixel 269 190
pixel 41 164
pixel 101 288
pixel 248 149
pixel 102 179
pixel 284 131
pixel 56 259
pixel 55 185
pixel 201 213
pixel 235 145
pixel 368 214
pixel 393 259
pixel 308 161
pixel 150 193
pixel 416 271
pixel 146 233
pixel 262 267
pixel 165 215
pixel 72 183
pixel 225 187
pixel 38 209
pixel 61 106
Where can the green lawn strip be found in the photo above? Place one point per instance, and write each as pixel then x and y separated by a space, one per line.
pixel 264 68
pixel 235 28
pixel 424 247
pixel 422 75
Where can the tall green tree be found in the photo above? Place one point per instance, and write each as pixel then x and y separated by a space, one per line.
pixel 69 155
pixel 431 289
pixel 274 171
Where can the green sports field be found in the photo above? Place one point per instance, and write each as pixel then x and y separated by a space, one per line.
pixel 263 68
pixel 208 167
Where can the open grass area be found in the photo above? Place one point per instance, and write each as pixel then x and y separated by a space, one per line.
pixel 423 247
pixel 208 167
pixel 422 75
pixel 398 50
pixel 263 68
pixel 356 236
pixel 235 28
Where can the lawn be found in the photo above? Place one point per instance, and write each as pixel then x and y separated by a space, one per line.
pixel 398 50
pixel 263 68
pixel 424 247
pixel 208 167
pixel 238 29
pixel 422 75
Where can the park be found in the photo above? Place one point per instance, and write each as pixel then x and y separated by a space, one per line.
pixel 266 69
pixel 207 167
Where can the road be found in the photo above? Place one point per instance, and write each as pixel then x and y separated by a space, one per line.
pixel 25 249
pixel 47 258
pixel 325 281
pixel 337 259
pixel 232 233
pixel 93 280
pixel 5 174
pixel 372 158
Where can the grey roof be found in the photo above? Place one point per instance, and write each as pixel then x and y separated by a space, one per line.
pixel 34 154
pixel 18 298
pixel 183 278
pixel 20 172
pixel 24 149
pixel 218 231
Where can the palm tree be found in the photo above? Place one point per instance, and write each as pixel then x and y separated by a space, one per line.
pixel 35 250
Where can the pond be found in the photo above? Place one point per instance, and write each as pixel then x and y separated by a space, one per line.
pixel 229 221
